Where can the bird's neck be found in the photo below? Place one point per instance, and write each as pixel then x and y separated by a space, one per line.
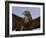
pixel 26 19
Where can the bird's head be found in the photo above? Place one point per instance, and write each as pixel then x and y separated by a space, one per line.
pixel 26 13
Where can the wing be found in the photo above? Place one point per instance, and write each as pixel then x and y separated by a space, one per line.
pixel 36 23
pixel 16 22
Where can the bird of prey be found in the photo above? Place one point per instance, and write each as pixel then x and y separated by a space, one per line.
pixel 26 23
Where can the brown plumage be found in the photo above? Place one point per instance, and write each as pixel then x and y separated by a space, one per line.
pixel 19 23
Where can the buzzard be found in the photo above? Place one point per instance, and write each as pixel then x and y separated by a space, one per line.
pixel 26 23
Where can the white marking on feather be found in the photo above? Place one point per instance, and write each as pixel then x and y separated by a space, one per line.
pixel 26 19
pixel 21 27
